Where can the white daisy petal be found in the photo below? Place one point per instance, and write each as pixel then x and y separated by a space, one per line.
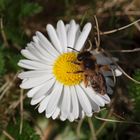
pixel 52 104
pixel 118 72
pixel 36 81
pixel 56 113
pixel 35 47
pixel 71 118
pixel 71 33
pixel 42 53
pixel 95 107
pixel 48 115
pixel 40 47
pixel 75 104
pixel 36 101
pixel 84 102
pixel 43 104
pixel 28 55
pixel 32 49
pixel 28 64
pixel 67 27
pixel 61 31
pixel 30 74
pixel 63 118
pixel 53 36
pixel 106 98
pixel 31 92
pixel 83 36
pixel 78 32
pixel 66 102
pixel 81 113
pixel 47 45
pixel 93 95
pixel 45 89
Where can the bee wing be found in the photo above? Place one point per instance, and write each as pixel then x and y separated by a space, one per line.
pixel 102 59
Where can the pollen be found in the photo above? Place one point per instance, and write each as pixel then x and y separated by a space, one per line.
pixel 66 71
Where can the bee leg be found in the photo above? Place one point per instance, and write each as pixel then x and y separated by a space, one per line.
pixel 85 80
pixel 74 62
pixel 80 71
pixel 76 72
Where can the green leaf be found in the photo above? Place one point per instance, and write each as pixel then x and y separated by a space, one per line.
pixel 28 132
pixel 29 9
pixel 134 90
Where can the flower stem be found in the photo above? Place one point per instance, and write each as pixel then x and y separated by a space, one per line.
pixel 93 133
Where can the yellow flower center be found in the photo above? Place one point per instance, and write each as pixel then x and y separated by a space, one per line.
pixel 65 70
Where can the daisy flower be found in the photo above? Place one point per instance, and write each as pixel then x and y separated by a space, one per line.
pixel 54 86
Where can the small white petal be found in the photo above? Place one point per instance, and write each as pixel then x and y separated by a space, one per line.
pixel 118 72
pixel 38 50
pixel 44 55
pixel 61 31
pixel 48 115
pixel 89 115
pixel 66 102
pixel 55 96
pixel 75 104
pixel 56 113
pixel 71 33
pixel 106 98
pixel 81 113
pixel 95 107
pixel 36 101
pixel 28 55
pixel 67 27
pixel 53 36
pixel 84 102
pixel 37 43
pixel 71 117
pixel 31 92
pixel 34 50
pixel 36 81
pixel 28 64
pixel 63 118
pixel 43 104
pixel 78 32
pixel 47 45
pixel 45 89
pixel 30 74
pixel 83 36
pixel 93 95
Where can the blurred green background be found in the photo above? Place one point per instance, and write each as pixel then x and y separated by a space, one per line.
pixel 19 19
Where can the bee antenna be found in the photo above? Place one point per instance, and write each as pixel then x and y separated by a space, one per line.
pixel 73 49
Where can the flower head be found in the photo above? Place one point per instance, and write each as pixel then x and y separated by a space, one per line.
pixel 51 79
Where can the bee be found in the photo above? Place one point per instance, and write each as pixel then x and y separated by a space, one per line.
pixel 92 71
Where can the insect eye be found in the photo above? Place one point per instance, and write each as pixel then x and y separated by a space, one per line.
pixel 89 63
pixel 80 57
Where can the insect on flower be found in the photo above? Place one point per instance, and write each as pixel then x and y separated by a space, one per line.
pixel 52 76
pixel 93 72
